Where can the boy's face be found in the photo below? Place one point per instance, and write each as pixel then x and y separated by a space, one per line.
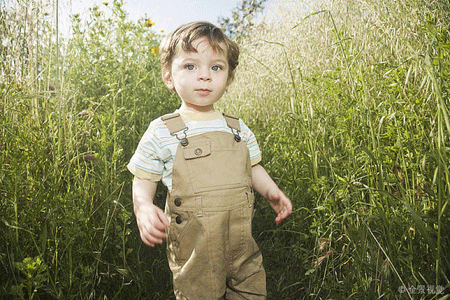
pixel 199 78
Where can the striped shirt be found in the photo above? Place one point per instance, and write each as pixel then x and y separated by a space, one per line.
pixel 155 154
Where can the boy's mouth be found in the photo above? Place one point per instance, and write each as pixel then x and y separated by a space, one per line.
pixel 203 91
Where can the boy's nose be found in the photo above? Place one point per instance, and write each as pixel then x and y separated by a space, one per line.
pixel 204 75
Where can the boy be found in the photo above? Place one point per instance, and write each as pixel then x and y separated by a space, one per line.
pixel 209 163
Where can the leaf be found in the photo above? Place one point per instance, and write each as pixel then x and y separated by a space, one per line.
pixel 273 43
pixel 421 225
pixel 309 272
pixel 310 15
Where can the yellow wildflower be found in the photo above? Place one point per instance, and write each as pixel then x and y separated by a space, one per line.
pixel 149 23
pixel 105 3
pixel 155 50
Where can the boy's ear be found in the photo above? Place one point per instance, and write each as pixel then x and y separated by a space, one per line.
pixel 167 77
pixel 230 80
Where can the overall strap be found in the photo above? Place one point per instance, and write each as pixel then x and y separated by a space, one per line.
pixel 233 123
pixel 175 124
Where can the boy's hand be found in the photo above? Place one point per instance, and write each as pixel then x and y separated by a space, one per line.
pixel 152 222
pixel 264 185
pixel 280 204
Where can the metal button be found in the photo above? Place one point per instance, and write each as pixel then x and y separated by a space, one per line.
pixel 179 220
pixel 237 138
pixel 177 202
pixel 198 151
pixel 184 142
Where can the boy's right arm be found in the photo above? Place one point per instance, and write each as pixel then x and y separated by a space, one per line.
pixel 150 218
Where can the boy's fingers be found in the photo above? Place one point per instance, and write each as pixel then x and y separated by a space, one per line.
pixel 157 224
pixel 150 241
pixel 283 209
pixel 152 236
pixel 288 207
pixel 156 229
pixel 163 218
pixel 159 220
pixel 280 217
pixel 152 223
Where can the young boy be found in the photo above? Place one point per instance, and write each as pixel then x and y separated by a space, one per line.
pixel 209 163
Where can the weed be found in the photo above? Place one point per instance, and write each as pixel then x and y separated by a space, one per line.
pixel 348 100
pixel 351 116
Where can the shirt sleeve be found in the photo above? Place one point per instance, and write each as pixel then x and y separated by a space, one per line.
pixel 147 162
pixel 252 144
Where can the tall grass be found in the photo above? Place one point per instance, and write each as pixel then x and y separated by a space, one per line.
pixel 73 111
pixel 351 111
pixel 348 99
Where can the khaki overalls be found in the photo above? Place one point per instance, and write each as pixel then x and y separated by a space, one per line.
pixel 210 247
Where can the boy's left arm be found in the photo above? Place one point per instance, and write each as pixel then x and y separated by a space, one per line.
pixel 266 187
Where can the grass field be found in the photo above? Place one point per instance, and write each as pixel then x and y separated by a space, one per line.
pixel 349 101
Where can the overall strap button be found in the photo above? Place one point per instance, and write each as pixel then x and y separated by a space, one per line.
pixel 177 202
pixel 179 220
pixel 184 142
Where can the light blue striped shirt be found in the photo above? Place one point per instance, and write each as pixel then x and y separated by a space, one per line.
pixel 155 154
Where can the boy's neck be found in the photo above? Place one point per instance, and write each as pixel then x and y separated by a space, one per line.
pixel 193 115
pixel 184 108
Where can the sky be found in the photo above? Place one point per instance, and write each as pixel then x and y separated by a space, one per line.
pixel 167 14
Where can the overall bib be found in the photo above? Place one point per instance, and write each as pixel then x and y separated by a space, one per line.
pixel 210 247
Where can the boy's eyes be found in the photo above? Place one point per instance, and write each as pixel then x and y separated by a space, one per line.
pixel 191 67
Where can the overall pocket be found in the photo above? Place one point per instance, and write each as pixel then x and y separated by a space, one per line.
pixel 215 167
pixel 240 236
pixel 184 232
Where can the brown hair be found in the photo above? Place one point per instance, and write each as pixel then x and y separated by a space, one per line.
pixel 186 34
